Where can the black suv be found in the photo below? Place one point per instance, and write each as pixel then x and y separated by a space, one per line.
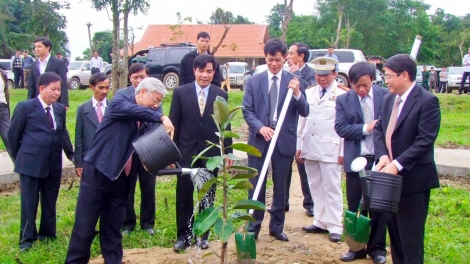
pixel 163 62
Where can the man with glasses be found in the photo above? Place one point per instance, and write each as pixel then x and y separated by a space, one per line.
pixel 147 182
pixel 356 115
pixel 108 168
pixel 36 135
pixel 191 113
pixel 322 150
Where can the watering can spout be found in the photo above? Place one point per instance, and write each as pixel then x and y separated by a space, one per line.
pixel 358 165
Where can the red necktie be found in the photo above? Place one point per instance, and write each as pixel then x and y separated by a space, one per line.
pixel 128 166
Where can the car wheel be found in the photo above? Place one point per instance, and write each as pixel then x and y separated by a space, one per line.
pixel 343 80
pixel 10 84
pixel 74 84
pixel 171 80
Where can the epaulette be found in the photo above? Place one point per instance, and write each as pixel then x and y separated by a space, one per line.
pixel 343 87
pixel 311 86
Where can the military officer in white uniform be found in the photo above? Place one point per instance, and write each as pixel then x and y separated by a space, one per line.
pixel 322 150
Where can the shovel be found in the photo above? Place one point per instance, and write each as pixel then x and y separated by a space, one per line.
pixel 357 226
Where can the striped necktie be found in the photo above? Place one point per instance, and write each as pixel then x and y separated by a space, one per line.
pixel 391 126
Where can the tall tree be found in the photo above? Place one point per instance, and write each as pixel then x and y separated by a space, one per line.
pixel 279 19
pixel 221 17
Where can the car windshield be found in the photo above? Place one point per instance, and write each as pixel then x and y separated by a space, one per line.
pixel 343 56
pixel 237 69
pixel 5 65
pixel 75 65
pixel 456 70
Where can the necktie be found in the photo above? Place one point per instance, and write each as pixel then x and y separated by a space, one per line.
pixel 49 116
pixel 323 92
pixel 391 126
pixel 128 166
pixel 367 113
pixel 272 101
pixel 202 104
pixel 99 113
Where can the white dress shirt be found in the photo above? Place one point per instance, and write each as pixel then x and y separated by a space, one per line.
pixel 44 105
pixel 96 62
pixel 103 107
pixel 43 64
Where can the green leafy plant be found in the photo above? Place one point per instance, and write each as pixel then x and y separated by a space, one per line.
pixel 218 217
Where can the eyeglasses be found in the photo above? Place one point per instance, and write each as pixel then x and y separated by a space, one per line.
pixel 154 100
pixel 390 76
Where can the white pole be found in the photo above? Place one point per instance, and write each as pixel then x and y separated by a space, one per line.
pixel 280 121
pixel 415 48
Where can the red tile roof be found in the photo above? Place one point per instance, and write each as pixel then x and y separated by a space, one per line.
pixel 249 39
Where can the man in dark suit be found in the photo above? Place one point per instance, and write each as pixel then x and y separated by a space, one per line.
pixel 107 171
pixel 36 134
pixel 356 115
pixel 297 58
pixel 263 99
pixel 404 140
pixel 138 72
pixel 186 67
pixel 191 113
pixel 47 63
pixel 89 115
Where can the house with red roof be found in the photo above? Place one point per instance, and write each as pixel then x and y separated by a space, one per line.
pixel 243 42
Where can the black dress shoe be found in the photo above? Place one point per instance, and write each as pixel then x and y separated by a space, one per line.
pixel 310 212
pixel 335 237
pixel 25 247
pixel 181 245
pixel 279 236
pixel 204 244
pixel 379 259
pixel 351 255
pixel 314 229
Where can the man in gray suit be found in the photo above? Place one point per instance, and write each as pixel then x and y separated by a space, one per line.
pixel 297 57
pixel 263 99
pixel 89 115
pixel 356 115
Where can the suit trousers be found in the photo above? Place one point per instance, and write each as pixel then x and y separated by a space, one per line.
pixel 185 202
pixel 307 202
pixel 378 221
pixel 280 171
pixel 324 179
pixel 465 75
pixel 147 184
pixel 26 73
pixel 32 191
pixel 18 77
pixel 99 197
pixel 407 228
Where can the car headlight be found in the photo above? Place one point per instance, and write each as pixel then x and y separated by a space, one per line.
pixel 239 78
pixel 102 70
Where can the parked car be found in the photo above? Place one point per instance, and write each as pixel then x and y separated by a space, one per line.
pixel 454 78
pixel 346 57
pixel 419 70
pixel 239 72
pixel 379 81
pixel 79 74
pixel 5 65
pixel 163 62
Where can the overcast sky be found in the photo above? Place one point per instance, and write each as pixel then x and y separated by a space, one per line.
pixel 164 12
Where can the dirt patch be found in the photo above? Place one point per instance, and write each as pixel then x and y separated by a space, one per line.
pixel 453 145
pixel 301 248
pixel 242 131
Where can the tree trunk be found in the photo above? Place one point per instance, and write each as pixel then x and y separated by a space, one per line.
pixel 115 48
pixel 338 29
pixel 124 70
pixel 89 39
pixel 288 12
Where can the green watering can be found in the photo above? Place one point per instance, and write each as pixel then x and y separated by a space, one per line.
pixel 357 226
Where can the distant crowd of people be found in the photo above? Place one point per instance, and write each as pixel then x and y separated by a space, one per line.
pixel 326 127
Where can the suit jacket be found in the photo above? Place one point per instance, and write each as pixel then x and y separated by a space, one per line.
pixel 349 121
pixel 256 111
pixel 191 129
pixel 412 139
pixel 112 144
pixel 85 129
pixel 35 147
pixel 53 65
pixel 308 76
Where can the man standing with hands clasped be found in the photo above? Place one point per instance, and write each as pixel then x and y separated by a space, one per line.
pixel 404 140
pixel 356 115
pixel 263 99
